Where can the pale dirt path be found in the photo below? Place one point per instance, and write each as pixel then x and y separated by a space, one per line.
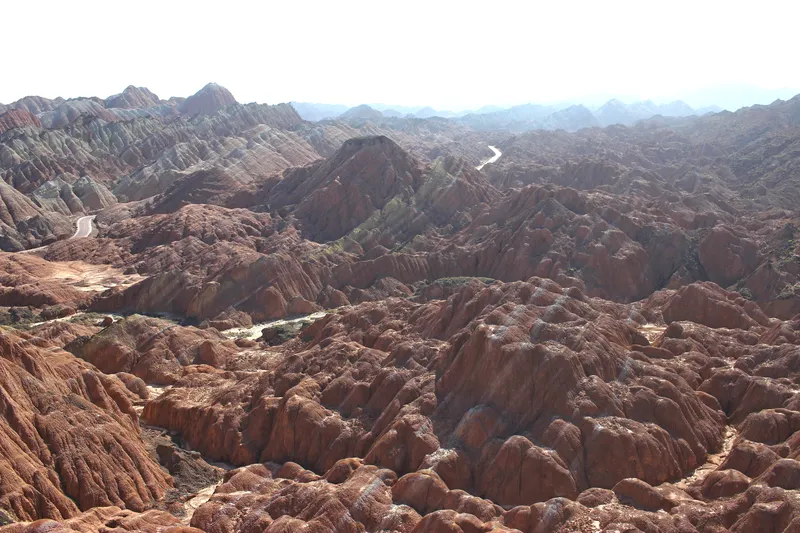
pixel 712 461
pixel 495 157
pixel 199 499
pixel 83 229
pixel 254 332
pixel 203 495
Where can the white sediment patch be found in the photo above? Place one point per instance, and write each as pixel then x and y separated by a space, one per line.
pixel 62 319
pixel 199 499
pixel 154 391
pixel 652 331
pixel 254 332
pixel 157 390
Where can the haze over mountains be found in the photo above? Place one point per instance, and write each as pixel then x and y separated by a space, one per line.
pixel 517 118
pixel 299 317
pixel 606 110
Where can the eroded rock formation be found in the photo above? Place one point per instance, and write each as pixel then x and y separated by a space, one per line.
pixel 359 331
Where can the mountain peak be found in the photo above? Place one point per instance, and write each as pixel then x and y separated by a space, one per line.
pixel 612 103
pixel 426 112
pixel 336 195
pixel 207 101
pixel 357 143
pixel 373 145
pixel 361 112
pixel 133 97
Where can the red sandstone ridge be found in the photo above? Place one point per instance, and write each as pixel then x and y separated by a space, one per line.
pixel 69 437
pixel 459 421
pixel 152 349
pixel 17 118
pixel 207 100
pixel 432 395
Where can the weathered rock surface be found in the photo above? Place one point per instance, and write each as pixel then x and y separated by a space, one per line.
pixel 407 408
pixel 152 349
pixel 80 196
pixel 133 97
pixel 23 224
pixel 708 304
pixel 17 118
pixel 69 437
pixel 103 519
pixel 375 170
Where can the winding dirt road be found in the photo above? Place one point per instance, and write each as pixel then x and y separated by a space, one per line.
pixel 83 229
pixel 495 157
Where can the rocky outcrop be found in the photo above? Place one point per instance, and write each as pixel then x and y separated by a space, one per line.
pixel 35 104
pixel 152 349
pixel 93 195
pixel 727 258
pixel 208 186
pixel 74 109
pixel 712 306
pixel 25 290
pixel 15 207
pixel 78 196
pixel 88 137
pixel 101 519
pixel 29 281
pixel 23 224
pixel 432 395
pixel 69 438
pixel 57 195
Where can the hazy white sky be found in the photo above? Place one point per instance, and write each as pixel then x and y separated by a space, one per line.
pixel 448 54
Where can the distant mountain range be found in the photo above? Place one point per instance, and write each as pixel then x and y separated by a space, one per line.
pixel 317 112
pixel 520 118
pixel 576 113
pixel 733 97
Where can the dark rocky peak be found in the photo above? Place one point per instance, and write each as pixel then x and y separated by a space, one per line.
pixel 335 195
pixel 371 147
